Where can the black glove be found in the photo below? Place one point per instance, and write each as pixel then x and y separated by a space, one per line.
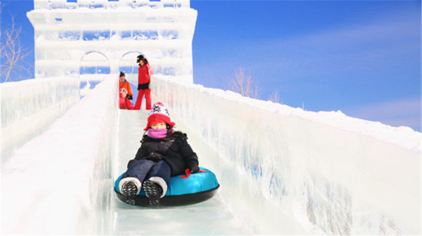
pixel 193 166
pixel 155 156
pixel 129 97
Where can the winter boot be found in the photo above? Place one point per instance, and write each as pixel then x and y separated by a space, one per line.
pixel 130 187
pixel 155 188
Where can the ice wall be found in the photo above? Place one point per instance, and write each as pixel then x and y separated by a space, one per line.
pixel 72 4
pixel 98 37
pixel 28 107
pixel 59 182
pixel 285 170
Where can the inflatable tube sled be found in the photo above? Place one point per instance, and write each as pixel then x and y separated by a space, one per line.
pixel 182 189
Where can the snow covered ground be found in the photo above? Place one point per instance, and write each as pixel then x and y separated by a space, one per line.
pixel 282 170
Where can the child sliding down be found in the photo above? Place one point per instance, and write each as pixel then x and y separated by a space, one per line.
pixel 163 153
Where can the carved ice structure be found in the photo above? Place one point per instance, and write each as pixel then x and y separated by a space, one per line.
pixel 91 38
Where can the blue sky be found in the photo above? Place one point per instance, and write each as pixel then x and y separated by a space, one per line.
pixel 360 57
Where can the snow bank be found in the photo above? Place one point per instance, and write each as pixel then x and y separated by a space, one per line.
pixel 56 183
pixel 285 170
pixel 28 107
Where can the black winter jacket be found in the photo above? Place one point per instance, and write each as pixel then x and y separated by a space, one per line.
pixel 173 149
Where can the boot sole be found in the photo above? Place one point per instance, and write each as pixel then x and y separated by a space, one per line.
pixel 153 192
pixel 129 190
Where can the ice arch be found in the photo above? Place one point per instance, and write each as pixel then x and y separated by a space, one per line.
pixel 127 62
pixel 93 65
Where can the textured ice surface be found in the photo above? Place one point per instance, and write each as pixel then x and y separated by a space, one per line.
pixel 92 38
pixel 29 106
pixel 282 170
pixel 326 171
pixel 55 183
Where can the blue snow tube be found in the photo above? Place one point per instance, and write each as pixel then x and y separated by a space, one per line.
pixel 197 187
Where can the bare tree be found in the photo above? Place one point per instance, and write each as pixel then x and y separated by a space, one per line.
pixel 12 52
pixel 275 97
pixel 243 84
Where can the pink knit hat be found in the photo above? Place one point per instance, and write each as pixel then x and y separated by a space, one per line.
pixel 159 113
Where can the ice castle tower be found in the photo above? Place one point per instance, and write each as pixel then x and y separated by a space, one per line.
pixel 91 38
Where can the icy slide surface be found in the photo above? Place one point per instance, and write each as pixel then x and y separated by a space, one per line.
pixel 210 217
pixel 281 170
pixel 61 182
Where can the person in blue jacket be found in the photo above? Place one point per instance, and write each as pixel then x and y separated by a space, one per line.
pixel 163 153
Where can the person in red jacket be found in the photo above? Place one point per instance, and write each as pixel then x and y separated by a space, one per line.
pixel 144 78
pixel 124 102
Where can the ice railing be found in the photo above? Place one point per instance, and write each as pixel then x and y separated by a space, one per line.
pixel 327 172
pixel 110 4
pixel 29 106
pixel 59 182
